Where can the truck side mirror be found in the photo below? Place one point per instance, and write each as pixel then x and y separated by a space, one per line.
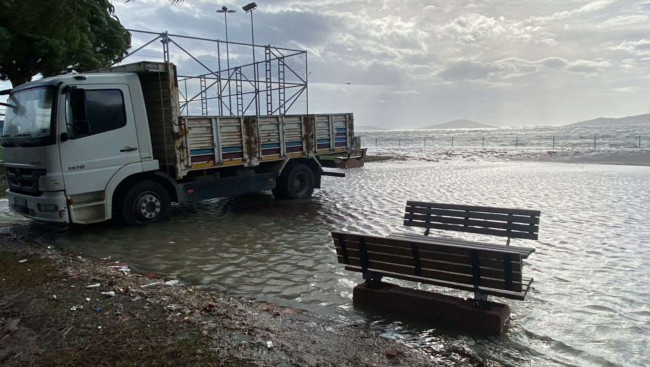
pixel 80 124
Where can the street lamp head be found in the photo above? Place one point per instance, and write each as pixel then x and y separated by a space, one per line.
pixel 249 7
pixel 225 10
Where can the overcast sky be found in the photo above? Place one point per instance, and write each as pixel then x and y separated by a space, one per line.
pixel 411 63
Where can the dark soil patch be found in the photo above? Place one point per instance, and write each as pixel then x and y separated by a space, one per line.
pixel 38 325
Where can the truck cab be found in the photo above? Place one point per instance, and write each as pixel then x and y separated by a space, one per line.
pixel 66 152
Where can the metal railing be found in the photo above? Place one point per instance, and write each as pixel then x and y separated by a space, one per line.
pixel 510 141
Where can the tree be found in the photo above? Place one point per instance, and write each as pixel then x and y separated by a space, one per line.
pixel 52 36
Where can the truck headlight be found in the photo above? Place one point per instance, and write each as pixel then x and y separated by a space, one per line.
pixel 48 208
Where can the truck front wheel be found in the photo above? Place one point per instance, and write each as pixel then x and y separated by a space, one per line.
pixel 297 182
pixel 145 202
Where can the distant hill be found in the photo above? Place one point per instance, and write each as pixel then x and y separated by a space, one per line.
pixel 367 128
pixel 623 121
pixel 459 124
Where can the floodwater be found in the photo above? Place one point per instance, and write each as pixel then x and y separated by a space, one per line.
pixel 589 305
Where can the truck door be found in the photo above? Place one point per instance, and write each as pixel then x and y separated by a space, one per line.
pixel 89 158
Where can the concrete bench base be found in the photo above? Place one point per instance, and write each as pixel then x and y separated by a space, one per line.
pixel 437 307
pixel 351 163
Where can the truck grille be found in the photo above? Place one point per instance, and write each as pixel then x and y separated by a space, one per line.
pixel 24 180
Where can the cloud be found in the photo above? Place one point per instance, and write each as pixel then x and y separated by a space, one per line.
pixel 640 47
pixel 591 7
pixel 475 27
pixel 625 90
pixel 554 63
pixel 549 42
pixel 588 67
pixel 467 70
pixel 625 20
pixel 406 93
pixel 514 67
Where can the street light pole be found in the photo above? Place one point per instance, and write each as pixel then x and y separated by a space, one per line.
pixel 225 12
pixel 249 9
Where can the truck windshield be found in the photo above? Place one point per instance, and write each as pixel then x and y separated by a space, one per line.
pixel 28 119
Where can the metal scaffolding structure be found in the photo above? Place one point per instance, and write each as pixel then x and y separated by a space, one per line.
pixel 216 85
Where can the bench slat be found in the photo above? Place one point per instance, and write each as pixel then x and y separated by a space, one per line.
pixel 464 250
pixel 492 232
pixel 462 214
pixel 523 251
pixel 433 274
pixel 431 255
pixel 461 268
pixel 487 291
pixel 472 222
pixel 485 209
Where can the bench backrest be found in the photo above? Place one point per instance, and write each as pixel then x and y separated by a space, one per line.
pixel 511 223
pixel 454 266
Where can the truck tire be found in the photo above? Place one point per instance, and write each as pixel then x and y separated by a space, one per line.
pixel 145 202
pixel 296 182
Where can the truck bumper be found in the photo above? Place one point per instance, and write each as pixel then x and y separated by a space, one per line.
pixel 49 207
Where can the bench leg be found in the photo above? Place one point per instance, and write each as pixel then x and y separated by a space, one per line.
pixel 373 280
pixel 481 301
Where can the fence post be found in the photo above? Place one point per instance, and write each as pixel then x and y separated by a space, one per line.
pixel 554 143
pixel 639 141
pixel 594 141
pixel 452 141
pixel 375 142
pixel 399 141
pixel 425 141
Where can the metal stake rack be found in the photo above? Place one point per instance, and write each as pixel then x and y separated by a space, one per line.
pixel 210 94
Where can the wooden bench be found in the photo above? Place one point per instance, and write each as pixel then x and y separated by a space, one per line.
pixel 480 268
pixel 483 268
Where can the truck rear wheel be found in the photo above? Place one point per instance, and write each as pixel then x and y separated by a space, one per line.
pixel 146 202
pixel 296 182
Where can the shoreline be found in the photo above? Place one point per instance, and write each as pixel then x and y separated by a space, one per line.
pixel 50 316
pixel 616 157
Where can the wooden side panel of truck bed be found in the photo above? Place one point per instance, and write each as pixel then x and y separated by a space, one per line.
pixel 218 141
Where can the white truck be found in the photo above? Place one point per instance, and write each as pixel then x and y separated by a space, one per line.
pixel 86 148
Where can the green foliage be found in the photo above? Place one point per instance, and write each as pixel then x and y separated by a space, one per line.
pixel 51 36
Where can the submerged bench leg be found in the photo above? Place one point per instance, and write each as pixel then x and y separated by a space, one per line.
pixel 373 280
pixel 481 301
